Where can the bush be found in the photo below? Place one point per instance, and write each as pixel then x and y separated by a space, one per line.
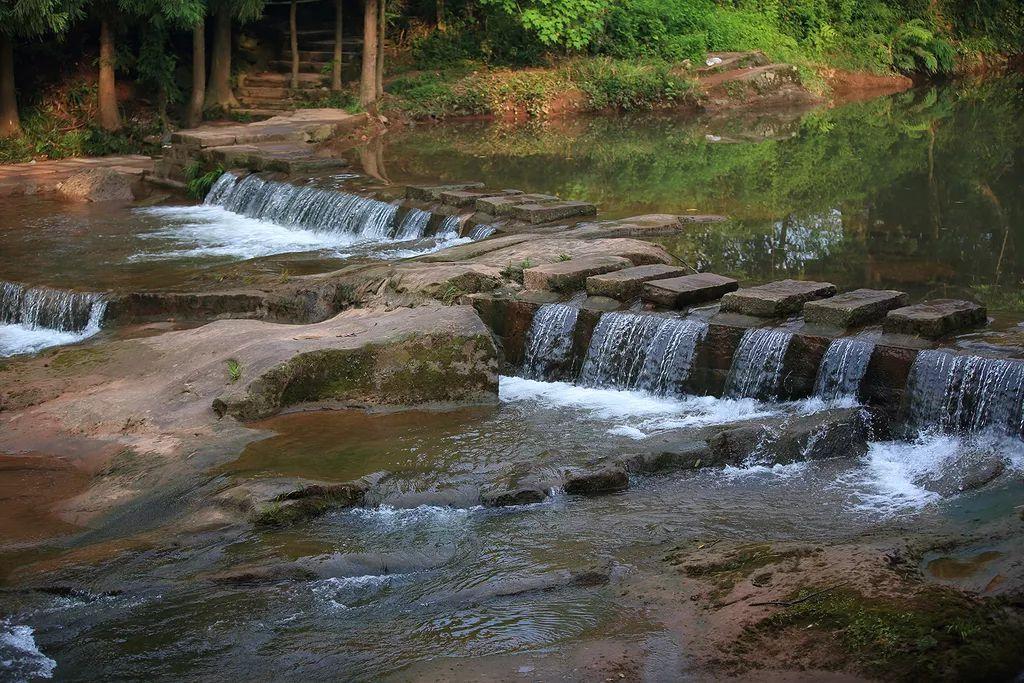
pixel 915 47
pixel 627 85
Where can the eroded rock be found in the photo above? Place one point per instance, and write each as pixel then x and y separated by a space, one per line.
pixel 606 480
pixel 97 185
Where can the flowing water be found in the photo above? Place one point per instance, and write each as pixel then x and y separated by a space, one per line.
pixel 758 364
pixel 843 368
pixel 34 318
pixel 549 341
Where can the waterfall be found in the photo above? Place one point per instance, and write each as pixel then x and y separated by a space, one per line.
pixel 304 207
pixel 413 226
pixel 549 340
pixel 643 352
pixel 757 365
pixel 482 231
pixel 843 368
pixel 449 228
pixel 966 394
pixel 33 318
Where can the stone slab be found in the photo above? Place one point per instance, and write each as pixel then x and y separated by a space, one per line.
pixel 687 290
pixel 626 284
pixel 568 276
pixel 430 193
pixel 467 198
pixel 503 205
pixel 935 318
pixel 859 307
pixel 776 299
pixel 545 212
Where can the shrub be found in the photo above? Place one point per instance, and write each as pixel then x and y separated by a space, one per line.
pixel 915 46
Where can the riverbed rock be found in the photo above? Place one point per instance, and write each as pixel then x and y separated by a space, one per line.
pixel 571 275
pixel 776 299
pixel 97 185
pixel 606 480
pixel 688 290
pixel 859 307
pixel 504 205
pixel 428 193
pixel 935 318
pixel 647 225
pixel 626 284
pixel 548 211
pixel 533 252
pixel 522 496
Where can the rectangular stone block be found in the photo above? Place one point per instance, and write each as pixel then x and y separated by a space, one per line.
pixel 568 276
pixel 935 318
pixel 626 284
pixel 776 299
pixel 430 193
pixel 467 198
pixel 859 307
pixel 503 205
pixel 688 290
pixel 546 212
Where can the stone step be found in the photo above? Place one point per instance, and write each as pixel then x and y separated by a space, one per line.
pixel 571 275
pixel 305 66
pixel 259 112
pixel 266 102
pixel 264 92
pixel 688 290
pixel 276 79
pixel 859 307
pixel 432 193
pixel 625 285
pixel 467 198
pixel 935 318
pixel 545 212
pixel 776 299
pixel 504 205
pixel 733 60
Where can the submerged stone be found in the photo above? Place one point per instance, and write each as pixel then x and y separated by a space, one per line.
pixel 687 290
pixel 859 307
pixel 607 480
pixel 523 496
pixel 626 284
pixel 567 276
pixel 935 318
pixel 776 299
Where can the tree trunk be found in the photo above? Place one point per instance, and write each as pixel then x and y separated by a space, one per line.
pixel 110 118
pixel 336 66
pixel 10 125
pixel 368 83
pixel 293 33
pixel 195 105
pixel 382 29
pixel 218 88
pixel 441 25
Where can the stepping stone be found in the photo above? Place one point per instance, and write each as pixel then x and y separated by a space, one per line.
pixel 568 276
pixel 626 284
pixel 688 290
pixel 503 206
pixel 776 299
pixel 430 193
pixel 546 212
pixel 464 198
pixel 859 307
pixel 935 318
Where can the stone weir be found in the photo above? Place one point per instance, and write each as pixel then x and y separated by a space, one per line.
pixel 700 334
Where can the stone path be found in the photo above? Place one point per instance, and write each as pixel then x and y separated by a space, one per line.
pixel 40 177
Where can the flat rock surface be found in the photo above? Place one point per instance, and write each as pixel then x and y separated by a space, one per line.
pixel 776 299
pixel 567 276
pixel 859 307
pixel 935 318
pixel 44 176
pixel 545 212
pixel 687 290
pixel 428 193
pixel 302 125
pixel 551 250
pixel 626 283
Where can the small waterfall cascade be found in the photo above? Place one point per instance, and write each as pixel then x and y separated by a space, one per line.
pixel 414 225
pixel 482 231
pixel 306 207
pixel 966 394
pixel 549 341
pixel 53 309
pixel 843 368
pixel 642 352
pixel 757 365
pixel 449 228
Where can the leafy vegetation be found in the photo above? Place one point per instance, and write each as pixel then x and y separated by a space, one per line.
pixel 199 181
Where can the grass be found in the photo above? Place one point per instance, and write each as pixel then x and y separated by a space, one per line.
pixel 199 180
pixel 234 370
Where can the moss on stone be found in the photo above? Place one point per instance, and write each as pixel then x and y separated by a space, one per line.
pixel 69 358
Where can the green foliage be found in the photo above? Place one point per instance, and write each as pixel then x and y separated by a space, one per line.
pixel 30 18
pixel 333 100
pixel 568 24
pixel 199 181
pixel 627 85
pixel 234 370
pixel 916 48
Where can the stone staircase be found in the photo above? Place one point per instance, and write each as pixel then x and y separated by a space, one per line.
pixel 269 93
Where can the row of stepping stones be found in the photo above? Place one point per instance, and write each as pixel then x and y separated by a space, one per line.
pixel 670 287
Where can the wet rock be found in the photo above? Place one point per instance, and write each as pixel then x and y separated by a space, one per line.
pixel 983 474
pixel 504 205
pixel 97 185
pixel 678 292
pixel 571 275
pixel 429 193
pixel 859 307
pixel 686 455
pixel 465 252
pixel 649 225
pixel 935 318
pixel 261 575
pixel 186 305
pixel 548 211
pixel 522 496
pixel 541 250
pixel 776 299
pixel 468 197
pixel 626 284
pixel 606 480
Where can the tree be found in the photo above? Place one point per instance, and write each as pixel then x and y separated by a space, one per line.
pixel 382 24
pixel 336 66
pixel 195 104
pixel 368 83
pixel 110 117
pixel 219 94
pixel 20 19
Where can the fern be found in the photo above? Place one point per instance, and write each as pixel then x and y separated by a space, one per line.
pixel 916 48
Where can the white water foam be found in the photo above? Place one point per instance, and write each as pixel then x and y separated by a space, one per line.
pixel 787 471
pixel 20 657
pixel 389 516
pixel 212 231
pixel 16 339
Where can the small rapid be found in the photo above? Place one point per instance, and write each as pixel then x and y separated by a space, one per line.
pixel 758 364
pixel 842 369
pixel 35 318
